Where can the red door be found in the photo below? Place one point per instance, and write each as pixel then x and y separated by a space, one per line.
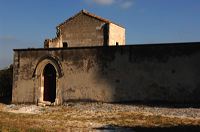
pixel 49 83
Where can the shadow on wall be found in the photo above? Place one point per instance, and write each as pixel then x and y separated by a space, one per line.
pixel 151 74
pixel 6 78
pixel 160 74
pixel 111 128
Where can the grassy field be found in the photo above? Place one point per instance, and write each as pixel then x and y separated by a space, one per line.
pixel 87 118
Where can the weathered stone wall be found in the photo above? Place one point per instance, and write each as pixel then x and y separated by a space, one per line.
pixel 168 73
pixel 84 30
pixel 23 83
pixel 116 35
pixel 53 43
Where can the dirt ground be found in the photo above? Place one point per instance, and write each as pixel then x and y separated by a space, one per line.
pixel 98 117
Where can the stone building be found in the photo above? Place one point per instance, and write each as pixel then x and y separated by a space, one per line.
pixel 86 29
pixel 89 71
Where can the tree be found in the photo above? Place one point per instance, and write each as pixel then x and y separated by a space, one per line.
pixel 6 76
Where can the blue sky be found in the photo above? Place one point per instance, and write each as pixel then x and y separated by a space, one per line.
pixel 26 23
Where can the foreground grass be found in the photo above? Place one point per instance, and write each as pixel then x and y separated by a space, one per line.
pixel 67 118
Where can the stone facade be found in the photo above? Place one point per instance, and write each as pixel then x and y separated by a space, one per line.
pixel 116 35
pixel 86 29
pixel 91 68
pixel 162 72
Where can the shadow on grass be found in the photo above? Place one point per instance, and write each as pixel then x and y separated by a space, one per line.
pixel 163 104
pixel 111 128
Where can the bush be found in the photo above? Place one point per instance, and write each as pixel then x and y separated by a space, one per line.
pixel 6 76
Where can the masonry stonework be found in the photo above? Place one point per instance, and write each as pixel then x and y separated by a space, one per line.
pixel 116 35
pixel 82 64
pixel 86 29
pixel 162 72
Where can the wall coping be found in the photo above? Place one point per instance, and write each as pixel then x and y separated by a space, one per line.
pixel 133 45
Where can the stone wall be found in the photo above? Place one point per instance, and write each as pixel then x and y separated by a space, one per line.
pixel 84 30
pixel 163 72
pixel 53 43
pixel 116 35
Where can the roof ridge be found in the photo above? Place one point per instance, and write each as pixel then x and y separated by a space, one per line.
pixel 95 16
pixel 89 14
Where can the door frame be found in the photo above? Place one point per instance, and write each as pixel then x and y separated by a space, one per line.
pixel 38 79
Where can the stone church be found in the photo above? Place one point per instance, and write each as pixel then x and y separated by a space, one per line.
pixel 86 29
pixel 89 61
pixel 81 30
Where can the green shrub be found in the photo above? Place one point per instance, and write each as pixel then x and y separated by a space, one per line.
pixel 6 76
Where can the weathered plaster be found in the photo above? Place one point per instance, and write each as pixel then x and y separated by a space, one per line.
pixel 165 72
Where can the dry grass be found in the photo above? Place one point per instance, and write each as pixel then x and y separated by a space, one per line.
pixel 65 118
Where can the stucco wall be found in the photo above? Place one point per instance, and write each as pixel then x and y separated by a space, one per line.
pixel 168 73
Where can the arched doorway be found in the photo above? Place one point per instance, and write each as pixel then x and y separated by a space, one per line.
pixel 51 90
pixel 49 74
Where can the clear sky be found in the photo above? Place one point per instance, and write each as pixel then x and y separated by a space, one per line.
pixel 26 23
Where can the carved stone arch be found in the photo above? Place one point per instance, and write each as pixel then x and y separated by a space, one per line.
pixel 43 61
pixel 39 78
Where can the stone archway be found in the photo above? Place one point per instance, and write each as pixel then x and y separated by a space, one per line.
pixel 48 71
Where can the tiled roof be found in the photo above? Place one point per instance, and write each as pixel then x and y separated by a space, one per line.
pixel 88 14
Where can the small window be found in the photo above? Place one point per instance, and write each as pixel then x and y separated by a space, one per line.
pixel 117 43
pixel 65 45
